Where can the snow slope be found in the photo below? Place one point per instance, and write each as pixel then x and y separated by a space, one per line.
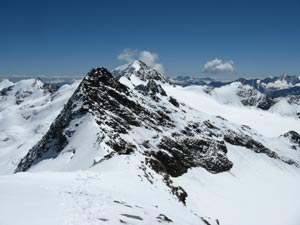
pixel 27 109
pixel 4 83
pixel 254 93
pixel 111 195
pixel 267 123
pixel 286 109
pixel 256 191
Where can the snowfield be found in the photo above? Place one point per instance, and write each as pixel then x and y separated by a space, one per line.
pixel 256 191
pixel 110 194
pixel 268 123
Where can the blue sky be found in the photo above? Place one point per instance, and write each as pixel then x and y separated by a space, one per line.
pixel 259 38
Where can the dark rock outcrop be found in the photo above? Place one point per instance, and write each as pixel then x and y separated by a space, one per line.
pixel 151 89
pixel 248 142
pixel 293 136
pixel 176 156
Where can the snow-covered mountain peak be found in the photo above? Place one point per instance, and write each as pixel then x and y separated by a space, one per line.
pixel 138 64
pixel 24 91
pixel 98 77
pixel 134 66
pixel 138 72
pixel 283 81
pixel 4 83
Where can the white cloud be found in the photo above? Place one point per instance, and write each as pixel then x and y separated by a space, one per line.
pixel 127 55
pixel 218 66
pixel 150 58
pixel 159 68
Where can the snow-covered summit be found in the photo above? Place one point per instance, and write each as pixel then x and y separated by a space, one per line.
pixel 4 83
pixel 138 70
pixel 24 91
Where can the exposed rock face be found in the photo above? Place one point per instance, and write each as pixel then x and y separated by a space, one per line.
pixel 294 99
pixel 252 97
pixel 177 156
pixel 152 88
pixel 5 91
pixel 294 137
pixel 266 102
pixel 174 102
pixel 248 142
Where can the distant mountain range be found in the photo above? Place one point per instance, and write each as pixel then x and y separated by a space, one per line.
pixel 280 86
pixel 283 91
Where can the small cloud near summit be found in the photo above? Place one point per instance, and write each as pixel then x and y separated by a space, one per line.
pixel 150 58
pixel 127 55
pixel 216 66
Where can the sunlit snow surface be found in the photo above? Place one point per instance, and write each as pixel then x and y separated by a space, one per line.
pixel 104 195
pixel 268 123
pixel 258 190
pixel 23 125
